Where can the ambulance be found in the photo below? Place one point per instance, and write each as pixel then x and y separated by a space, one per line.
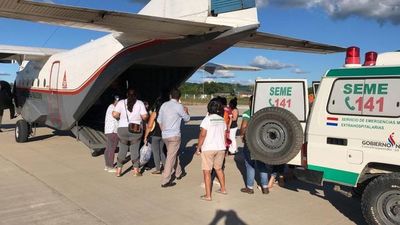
pixel 350 137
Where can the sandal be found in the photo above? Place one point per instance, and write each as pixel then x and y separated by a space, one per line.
pixel 221 192
pixel 205 198
pixel 137 174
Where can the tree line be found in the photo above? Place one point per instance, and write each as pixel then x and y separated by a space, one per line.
pixel 210 88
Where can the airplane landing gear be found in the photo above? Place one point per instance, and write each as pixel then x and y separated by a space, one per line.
pixel 22 131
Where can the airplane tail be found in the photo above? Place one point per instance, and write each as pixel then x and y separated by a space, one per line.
pixel 233 13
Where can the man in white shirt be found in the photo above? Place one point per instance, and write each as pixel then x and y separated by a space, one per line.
pixel 212 146
pixel 110 130
pixel 170 116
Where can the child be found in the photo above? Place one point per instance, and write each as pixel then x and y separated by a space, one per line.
pixel 212 146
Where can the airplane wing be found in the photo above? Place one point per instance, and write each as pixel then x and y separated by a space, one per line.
pixel 134 27
pixel 277 42
pixel 11 54
pixel 212 67
pixel 141 27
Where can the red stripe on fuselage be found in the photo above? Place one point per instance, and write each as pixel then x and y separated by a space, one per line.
pixel 96 74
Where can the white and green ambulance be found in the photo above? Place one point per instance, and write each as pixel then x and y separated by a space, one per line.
pixel 351 136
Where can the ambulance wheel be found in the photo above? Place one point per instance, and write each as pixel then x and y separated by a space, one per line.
pixel 21 131
pixel 380 201
pixel 274 136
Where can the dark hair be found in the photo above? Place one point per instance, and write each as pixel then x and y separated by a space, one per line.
pixel 132 98
pixel 233 103
pixel 215 107
pixel 157 105
pixel 175 94
pixel 223 100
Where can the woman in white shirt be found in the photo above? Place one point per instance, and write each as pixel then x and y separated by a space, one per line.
pixel 129 110
pixel 110 130
pixel 212 146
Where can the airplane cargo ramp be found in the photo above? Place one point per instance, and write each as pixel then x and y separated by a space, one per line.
pixel 94 139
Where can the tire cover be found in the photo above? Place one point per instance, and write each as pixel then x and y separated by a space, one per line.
pixel 274 136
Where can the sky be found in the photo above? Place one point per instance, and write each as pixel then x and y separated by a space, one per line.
pixel 371 25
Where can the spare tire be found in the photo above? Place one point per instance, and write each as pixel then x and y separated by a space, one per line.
pixel 274 136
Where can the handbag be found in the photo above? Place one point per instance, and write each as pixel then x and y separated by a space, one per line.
pixel 133 127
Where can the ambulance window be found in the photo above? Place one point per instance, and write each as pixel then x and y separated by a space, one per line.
pixel 381 97
pixel 344 96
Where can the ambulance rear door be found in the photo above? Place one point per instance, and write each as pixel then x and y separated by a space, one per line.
pixel 290 94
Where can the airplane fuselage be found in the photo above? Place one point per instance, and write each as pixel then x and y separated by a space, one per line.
pixel 79 84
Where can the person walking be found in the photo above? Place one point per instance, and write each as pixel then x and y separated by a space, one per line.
pixel 212 147
pixel 170 117
pixel 129 111
pixel 153 131
pixel 252 165
pixel 110 130
pixel 6 101
pixel 233 125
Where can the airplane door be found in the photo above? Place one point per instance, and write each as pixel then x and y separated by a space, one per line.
pixel 53 97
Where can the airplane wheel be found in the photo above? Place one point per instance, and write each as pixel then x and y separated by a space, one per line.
pixel 274 136
pixel 21 131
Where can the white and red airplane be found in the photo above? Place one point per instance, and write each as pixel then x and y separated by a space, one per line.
pixel 152 51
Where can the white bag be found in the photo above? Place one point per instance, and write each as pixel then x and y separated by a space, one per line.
pixel 145 154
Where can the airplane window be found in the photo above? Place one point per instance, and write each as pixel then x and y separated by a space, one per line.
pixel 33 83
pixel 44 82
pixel 38 82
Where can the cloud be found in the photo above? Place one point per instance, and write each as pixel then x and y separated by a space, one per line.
pixel 264 63
pixel 261 3
pixel 208 80
pixel 299 71
pixel 381 11
pixel 224 74
pixel 4 74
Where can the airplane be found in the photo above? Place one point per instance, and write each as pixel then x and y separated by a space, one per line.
pixel 211 68
pixel 152 51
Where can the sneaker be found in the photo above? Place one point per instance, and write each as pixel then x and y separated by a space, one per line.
pixel 181 176
pixel 265 190
pixel 156 172
pixel 247 190
pixel 169 184
pixel 106 168
pixel 112 170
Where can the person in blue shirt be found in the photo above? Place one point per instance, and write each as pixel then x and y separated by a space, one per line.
pixel 170 117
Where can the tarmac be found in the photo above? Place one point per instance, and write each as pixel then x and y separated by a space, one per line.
pixel 53 179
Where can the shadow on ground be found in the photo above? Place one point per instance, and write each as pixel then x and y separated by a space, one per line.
pixel 230 217
pixel 339 197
